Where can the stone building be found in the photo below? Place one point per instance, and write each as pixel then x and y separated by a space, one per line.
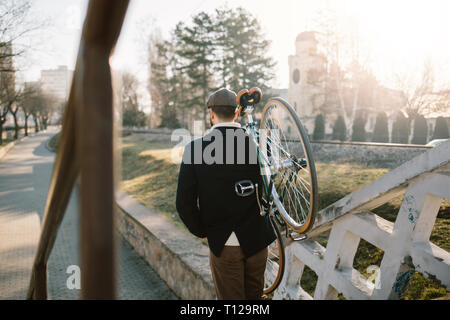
pixel 304 68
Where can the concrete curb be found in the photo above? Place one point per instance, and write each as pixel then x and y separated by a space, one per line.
pixel 47 146
pixel 4 150
pixel 9 146
pixel 373 144
pixel 179 258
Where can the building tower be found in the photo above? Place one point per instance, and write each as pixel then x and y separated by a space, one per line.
pixel 305 86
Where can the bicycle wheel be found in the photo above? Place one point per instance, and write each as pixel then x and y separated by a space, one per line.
pixel 290 164
pixel 275 261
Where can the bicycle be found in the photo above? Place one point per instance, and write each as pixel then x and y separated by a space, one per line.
pixel 289 191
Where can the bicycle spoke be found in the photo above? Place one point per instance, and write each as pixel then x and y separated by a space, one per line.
pixel 287 181
pixel 303 181
pixel 299 201
pixel 292 205
pixel 289 156
pixel 287 152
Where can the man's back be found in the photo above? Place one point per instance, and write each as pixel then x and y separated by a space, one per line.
pixel 210 170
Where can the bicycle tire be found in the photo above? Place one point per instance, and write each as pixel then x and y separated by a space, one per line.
pixel 287 208
pixel 277 254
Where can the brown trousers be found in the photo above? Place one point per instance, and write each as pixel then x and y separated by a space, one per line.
pixel 236 277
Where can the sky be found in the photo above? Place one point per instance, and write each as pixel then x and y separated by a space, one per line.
pixel 397 35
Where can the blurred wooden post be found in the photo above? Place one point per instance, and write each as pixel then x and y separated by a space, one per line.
pixel 95 150
pixel 86 148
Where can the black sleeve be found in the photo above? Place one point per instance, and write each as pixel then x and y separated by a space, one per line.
pixel 186 201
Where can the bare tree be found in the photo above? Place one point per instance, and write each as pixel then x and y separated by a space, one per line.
pixel 27 102
pixel 129 90
pixel 16 29
pixel 47 109
pixel 346 68
pixel 8 97
pixel 415 90
pixel 157 69
pixel 35 103
pixel 13 110
pixel 167 85
pixel 132 115
pixel 443 100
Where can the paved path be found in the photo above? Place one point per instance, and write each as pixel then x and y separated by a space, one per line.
pixel 24 180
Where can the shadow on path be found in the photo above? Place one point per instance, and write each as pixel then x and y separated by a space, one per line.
pixel 25 174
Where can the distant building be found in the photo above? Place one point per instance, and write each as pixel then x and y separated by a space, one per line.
pixel 303 66
pixel 57 82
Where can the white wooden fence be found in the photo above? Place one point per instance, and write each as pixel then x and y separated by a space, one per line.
pixel 425 182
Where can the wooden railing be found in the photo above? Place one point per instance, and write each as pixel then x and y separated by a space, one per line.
pixel 86 150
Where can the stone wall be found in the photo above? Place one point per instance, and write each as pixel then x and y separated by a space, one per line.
pixel 179 258
pixel 381 155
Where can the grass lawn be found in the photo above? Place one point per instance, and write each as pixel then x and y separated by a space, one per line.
pixel 53 143
pixel 150 176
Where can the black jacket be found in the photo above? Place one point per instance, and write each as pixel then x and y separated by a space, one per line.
pixel 206 199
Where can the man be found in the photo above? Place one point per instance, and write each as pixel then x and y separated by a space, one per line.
pixel 216 199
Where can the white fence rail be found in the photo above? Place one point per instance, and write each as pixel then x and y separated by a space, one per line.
pixel 425 182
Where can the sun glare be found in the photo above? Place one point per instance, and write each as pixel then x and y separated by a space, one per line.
pixel 401 34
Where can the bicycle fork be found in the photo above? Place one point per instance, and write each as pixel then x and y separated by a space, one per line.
pixel 269 210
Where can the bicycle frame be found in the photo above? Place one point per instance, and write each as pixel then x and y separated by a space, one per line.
pixel 268 197
pixel 268 185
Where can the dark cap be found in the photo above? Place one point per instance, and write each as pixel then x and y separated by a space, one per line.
pixel 222 98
